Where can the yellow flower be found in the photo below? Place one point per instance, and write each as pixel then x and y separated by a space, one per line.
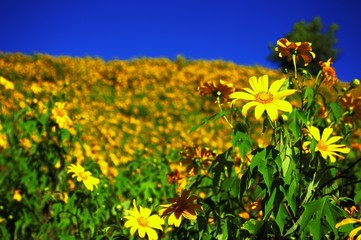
pixel 264 98
pixel 17 195
pixel 6 83
pixel 325 143
pixel 354 232
pixel 182 206
pixel 84 176
pixel 3 141
pixel 142 221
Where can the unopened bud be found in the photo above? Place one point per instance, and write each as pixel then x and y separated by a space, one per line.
pixel 283 118
pixel 328 121
pixel 355 83
pixel 344 89
pixel 118 208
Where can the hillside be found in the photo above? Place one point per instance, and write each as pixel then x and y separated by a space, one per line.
pixel 128 108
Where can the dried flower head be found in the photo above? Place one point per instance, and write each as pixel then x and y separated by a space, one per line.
pixel 328 73
pixel 196 158
pixel 302 51
pixel 222 90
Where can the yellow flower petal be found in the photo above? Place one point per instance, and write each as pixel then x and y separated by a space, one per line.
pixel 263 83
pixel 276 85
pixel 259 110
pixel 254 84
pixel 247 106
pixel 315 132
pixel 326 134
pixel 241 95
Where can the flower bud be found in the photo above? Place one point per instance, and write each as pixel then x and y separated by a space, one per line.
pixel 355 83
pixel 283 118
pixel 344 89
pixel 328 121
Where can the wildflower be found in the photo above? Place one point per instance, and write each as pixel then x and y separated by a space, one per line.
pixel 17 195
pixel 302 51
pixel 25 143
pixel 352 106
pixel 3 141
pixel 325 144
pixel 6 83
pixel 84 176
pixel 142 221
pixel 351 220
pixel 182 206
pixel 328 73
pixel 195 158
pixel 220 90
pixel 60 115
pixel 264 98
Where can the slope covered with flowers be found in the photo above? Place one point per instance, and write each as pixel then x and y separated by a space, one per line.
pixel 84 141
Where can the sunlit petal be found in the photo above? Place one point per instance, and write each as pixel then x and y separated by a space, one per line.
pixel 241 95
pixel 276 85
pixel 260 108
pixel 254 84
pixel 315 132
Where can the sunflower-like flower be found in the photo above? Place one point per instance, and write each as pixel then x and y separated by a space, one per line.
pixel 325 144
pixel 352 221
pixel 180 207
pixel 143 221
pixel 220 90
pixel 328 73
pixel 352 108
pixel 264 98
pixel 196 158
pixel 83 176
pixel 302 51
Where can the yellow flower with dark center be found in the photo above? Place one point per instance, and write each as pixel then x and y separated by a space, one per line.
pixel 143 221
pixel 264 98
pixel 83 176
pixel 220 90
pixel 302 51
pixel 325 144
pixel 328 73
pixel 182 206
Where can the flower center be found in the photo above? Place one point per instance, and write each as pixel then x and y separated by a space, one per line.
pixel 83 176
pixel 322 145
pixel 142 222
pixel 264 97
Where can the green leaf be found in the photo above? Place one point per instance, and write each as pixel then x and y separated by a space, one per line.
pixel 215 117
pixel 336 111
pixel 243 141
pixel 270 204
pixel 232 185
pixel 281 217
pixel 252 226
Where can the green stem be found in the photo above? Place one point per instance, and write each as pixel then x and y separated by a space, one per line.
pixel 294 65
pixel 220 108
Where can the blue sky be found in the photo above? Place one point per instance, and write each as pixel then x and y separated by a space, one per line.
pixel 237 31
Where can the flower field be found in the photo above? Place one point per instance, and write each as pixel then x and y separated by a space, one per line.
pixel 161 149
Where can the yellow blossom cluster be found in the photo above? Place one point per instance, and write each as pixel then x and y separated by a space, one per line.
pixel 124 108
